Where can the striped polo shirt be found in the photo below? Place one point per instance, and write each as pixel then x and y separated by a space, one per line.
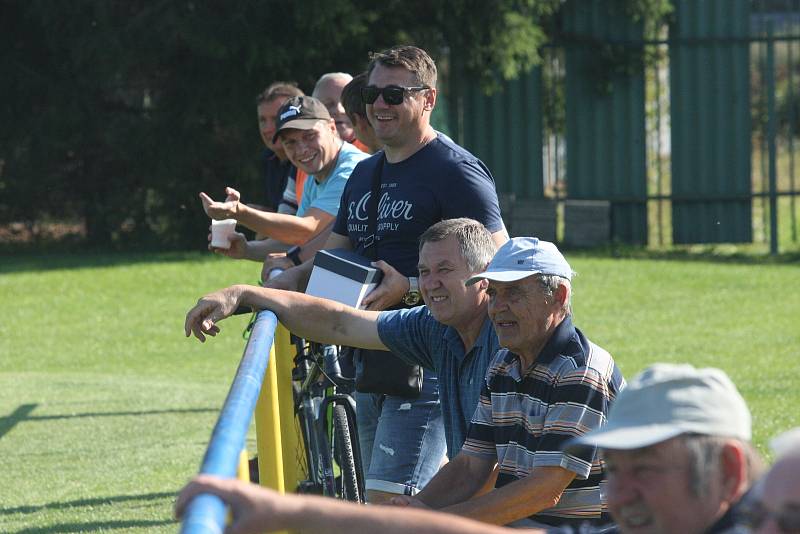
pixel 525 416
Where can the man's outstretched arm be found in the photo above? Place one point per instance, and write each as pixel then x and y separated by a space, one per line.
pixel 310 317
pixel 256 509
pixel 289 229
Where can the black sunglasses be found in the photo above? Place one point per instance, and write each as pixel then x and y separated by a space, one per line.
pixel 755 513
pixel 392 94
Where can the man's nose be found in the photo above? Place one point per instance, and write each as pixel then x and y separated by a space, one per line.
pixel 429 281
pixel 497 304
pixel 619 491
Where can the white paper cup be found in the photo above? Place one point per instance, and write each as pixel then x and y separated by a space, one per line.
pixel 221 232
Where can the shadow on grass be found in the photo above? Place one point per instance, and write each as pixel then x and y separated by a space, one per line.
pixel 121 414
pixel 39 261
pixel 22 414
pixel 95 526
pixel 79 503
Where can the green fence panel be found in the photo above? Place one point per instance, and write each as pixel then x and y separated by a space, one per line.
pixel 504 130
pixel 710 113
pixel 605 115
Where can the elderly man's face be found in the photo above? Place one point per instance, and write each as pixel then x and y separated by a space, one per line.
pixel 649 490
pixel 523 315
pixel 329 93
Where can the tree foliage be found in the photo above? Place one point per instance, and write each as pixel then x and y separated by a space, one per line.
pixel 118 112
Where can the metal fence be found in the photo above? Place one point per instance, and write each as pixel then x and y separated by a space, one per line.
pixel 683 133
pixel 206 513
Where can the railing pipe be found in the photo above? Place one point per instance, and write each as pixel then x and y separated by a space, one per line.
pixel 773 173
pixel 205 514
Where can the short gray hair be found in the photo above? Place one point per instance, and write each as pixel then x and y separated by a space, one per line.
pixel 705 461
pixel 474 240
pixel 550 283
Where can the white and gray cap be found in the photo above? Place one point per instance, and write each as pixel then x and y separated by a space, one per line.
pixel 667 400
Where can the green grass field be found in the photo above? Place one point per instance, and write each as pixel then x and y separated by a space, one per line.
pixel 105 408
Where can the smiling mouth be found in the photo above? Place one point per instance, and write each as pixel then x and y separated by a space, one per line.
pixel 439 298
pixel 635 519
pixel 308 159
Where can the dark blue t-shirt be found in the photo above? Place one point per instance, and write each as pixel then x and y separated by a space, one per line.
pixel 440 181
pixel 276 174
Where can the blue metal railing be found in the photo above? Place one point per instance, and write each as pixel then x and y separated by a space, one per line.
pixel 205 514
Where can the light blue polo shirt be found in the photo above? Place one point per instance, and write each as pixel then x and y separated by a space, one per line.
pixel 415 336
pixel 325 196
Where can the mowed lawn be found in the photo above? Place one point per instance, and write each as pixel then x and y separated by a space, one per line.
pixel 105 408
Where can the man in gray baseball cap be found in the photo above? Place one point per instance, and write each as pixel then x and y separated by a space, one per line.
pixel 677 451
pixel 547 384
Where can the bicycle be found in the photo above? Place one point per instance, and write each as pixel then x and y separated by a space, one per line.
pixel 326 415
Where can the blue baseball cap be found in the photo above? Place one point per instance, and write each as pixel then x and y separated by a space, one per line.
pixel 521 257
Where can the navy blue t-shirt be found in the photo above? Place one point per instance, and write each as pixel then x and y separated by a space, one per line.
pixel 276 174
pixel 440 181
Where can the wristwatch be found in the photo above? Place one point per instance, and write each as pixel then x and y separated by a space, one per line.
pixel 294 255
pixel 413 296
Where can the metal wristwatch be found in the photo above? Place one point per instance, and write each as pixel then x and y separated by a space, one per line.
pixel 294 254
pixel 413 297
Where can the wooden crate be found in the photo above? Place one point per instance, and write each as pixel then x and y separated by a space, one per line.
pixel 533 218
pixel 587 223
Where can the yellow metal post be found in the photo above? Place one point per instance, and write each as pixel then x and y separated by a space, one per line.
pixel 292 444
pixel 243 471
pixel 268 430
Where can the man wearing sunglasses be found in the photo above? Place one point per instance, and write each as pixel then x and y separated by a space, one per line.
pixel 421 177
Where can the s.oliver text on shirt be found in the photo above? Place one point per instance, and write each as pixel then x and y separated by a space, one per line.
pixel 387 208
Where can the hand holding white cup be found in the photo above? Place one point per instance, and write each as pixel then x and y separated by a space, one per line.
pixel 221 232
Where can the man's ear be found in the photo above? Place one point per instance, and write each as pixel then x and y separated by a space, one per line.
pixel 561 294
pixel 430 99
pixel 332 126
pixel 734 471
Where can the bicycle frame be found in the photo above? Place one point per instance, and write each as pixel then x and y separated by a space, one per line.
pixel 318 393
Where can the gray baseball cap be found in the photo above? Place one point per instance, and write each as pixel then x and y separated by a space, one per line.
pixel 667 400
pixel 521 257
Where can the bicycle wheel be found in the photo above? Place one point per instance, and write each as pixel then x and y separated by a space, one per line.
pixel 305 454
pixel 343 452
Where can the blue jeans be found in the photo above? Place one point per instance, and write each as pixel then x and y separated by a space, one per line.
pixel 402 440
